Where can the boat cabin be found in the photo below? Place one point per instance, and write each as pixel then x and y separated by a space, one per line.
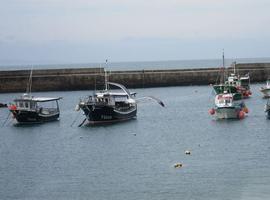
pixel 224 100
pixel 232 80
pixel 245 81
pixel 111 99
pixel 42 105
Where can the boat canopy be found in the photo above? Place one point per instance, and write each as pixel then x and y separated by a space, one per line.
pixel 39 99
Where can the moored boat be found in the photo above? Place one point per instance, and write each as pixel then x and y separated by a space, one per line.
pixel 245 86
pixel 267 109
pixel 108 106
pixel 227 108
pixel 29 109
pixel 265 90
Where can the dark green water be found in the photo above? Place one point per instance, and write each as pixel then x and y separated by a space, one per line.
pixel 134 160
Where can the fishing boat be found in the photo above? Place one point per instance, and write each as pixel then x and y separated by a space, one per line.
pixel 238 85
pixel 241 83
pixel 266 89
pixel 267 109
pixel 3 105
pixel 30 109
pixel 228 98
pixel 245 86
pixel 108 106
pixel 227 108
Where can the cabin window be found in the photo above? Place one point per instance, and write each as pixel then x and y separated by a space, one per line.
pixel 21 104
pixel 26 104
pixel 32 105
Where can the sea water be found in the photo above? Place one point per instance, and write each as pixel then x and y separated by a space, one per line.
pixel 229 159
pixel 142 65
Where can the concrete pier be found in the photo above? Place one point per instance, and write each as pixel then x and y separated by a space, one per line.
pixel 93 78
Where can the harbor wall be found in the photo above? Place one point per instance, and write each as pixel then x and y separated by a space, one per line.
pixel 93 78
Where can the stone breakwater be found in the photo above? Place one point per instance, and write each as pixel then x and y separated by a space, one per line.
pixel 93 78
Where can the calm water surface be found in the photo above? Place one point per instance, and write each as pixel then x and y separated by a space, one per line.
pixel 134 160
pixel 140 65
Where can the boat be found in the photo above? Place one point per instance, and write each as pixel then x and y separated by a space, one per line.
pixel 228 108
pixel 30 109
pixel 108 106
pixel 266 89
pixel 267 109
pixel 238 85
pixel 245 86
pixel 3 105
pixel 228 98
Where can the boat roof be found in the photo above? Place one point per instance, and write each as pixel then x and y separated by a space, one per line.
pixel 102 94
pixel 39 99
pixel 244 77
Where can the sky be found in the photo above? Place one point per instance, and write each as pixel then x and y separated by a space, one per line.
pixel 83 31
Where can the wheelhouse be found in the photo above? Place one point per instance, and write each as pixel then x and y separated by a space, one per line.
pixel 43 104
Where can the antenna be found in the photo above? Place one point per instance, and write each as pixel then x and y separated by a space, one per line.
pixel 223 60
pixel 106 75
pixel 234 67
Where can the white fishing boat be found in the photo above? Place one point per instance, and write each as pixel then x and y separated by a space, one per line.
pixel 266 89
pixel 227 108
pixel 267 109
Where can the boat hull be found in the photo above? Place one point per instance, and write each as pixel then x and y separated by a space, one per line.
pixel 266 92
pixel 227 112
pixel 33 117
pixel 107 114
pixel 268 114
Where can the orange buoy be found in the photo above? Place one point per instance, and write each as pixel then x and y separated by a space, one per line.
pixel 212 111
pixel 241 114
pixel 12 107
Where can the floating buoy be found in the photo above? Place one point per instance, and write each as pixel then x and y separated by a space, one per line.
pixel 12 107
pixel 241 114
pixel 178 165
pixel 187 152
pixel 212 111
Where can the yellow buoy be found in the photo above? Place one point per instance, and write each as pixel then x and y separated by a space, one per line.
pixel 178 165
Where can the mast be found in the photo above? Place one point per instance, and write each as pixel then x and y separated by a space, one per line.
pixel 223 60
pixel 222 79
pixel 29 85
